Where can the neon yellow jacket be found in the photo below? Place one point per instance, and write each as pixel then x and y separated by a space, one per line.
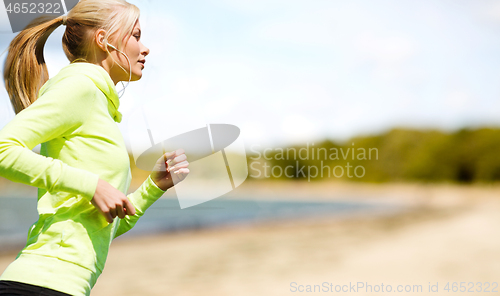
pixel 74 120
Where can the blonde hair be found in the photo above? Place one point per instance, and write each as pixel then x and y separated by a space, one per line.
pixel 25 70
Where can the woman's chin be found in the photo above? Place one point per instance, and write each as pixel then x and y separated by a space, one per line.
pixel 136 76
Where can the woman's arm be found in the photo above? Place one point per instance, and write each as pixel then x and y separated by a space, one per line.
pixel 170 168
pixel 142 199
pixel 59 111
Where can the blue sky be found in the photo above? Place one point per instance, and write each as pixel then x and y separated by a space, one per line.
pixel 290 72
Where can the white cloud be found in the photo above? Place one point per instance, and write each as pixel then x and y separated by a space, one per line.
pixel 386 48
pixel 489 10
pixel 256 6
pixel 297 128
pixel 298 31
pixel 254 131
pixel 458 100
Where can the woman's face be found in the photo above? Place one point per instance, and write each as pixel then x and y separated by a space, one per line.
pixel 136 53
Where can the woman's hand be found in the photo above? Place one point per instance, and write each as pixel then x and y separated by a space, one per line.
pixel 111 202
pixel 170 169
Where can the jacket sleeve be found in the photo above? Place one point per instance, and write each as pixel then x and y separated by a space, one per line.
pixel 60 110
pixel 142 199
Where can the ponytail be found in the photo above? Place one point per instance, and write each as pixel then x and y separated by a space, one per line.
pixel 25 70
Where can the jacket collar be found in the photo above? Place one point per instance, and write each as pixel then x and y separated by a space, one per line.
pixel 104 82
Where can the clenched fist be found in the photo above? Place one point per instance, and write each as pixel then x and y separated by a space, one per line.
pixel 111 202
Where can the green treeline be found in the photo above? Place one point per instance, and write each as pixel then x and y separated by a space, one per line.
pixel 399 155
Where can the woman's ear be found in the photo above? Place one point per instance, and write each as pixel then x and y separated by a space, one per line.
pixel 100 39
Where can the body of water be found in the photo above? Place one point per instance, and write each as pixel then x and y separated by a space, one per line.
pixel 17 214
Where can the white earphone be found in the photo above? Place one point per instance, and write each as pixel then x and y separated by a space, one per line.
pixel 130 69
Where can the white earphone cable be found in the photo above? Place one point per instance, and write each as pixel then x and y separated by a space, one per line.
pixel 130 71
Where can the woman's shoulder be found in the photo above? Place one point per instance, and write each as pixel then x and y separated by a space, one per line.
pixel 74 79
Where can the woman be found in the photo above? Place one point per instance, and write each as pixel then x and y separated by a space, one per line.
pixel 83 170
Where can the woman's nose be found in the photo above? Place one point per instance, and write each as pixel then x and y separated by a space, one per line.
pixel 145 51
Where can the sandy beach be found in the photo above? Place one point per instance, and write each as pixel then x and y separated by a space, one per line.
pixel 451 234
